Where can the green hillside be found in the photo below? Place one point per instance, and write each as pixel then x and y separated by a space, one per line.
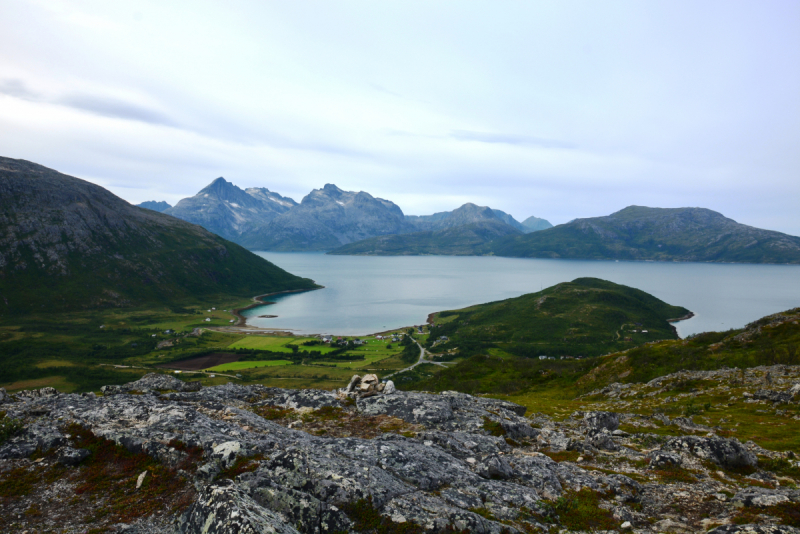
pixel 642 233
pixel 772 340
pixel 585 317
pixel 67 244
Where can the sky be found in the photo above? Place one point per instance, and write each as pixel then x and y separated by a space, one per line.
pixel 559 109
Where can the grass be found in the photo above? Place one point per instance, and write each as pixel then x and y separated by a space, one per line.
pixel 237 366
pixel 278 344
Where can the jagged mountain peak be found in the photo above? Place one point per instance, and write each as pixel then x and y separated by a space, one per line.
pixel 225 209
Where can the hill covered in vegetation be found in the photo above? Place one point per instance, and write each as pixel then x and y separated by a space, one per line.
pixel 659 234
pixel 585 317
pixel 67 244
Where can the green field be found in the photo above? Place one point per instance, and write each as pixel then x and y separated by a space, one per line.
pixel 237 366
pixel 279 344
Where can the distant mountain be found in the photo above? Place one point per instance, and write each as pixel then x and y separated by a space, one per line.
pixel 67 244
pixel 534 224
pixel 328 218
pixel 660 234
pixel 155 205
pixel 463 240
pixel 229 211
pixel 466 214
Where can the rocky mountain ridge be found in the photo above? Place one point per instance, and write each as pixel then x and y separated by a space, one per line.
pixel 229 459
pixel 328 218
pixel 228 211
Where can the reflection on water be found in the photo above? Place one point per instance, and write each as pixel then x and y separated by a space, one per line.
pixel 369 294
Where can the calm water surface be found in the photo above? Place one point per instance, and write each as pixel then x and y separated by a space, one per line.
pixel 366 294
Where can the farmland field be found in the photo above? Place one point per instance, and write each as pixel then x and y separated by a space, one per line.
pixel 236 366
pixel 278 344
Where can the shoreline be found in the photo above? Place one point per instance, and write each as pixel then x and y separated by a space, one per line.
pixel 241 320
pixel 679 319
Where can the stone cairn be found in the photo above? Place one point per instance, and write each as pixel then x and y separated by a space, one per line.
pixel 366 386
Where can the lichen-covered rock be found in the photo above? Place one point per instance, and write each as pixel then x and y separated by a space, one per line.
pixel 661 459
pixel 754 529
pixel 17 448
pixel 28 394
pixel 389 388
pixel 601 439
pixel 764 497
pixel 4 396
pixel 780 397
pixel 225 508
pixel 600 420
pixel 725 452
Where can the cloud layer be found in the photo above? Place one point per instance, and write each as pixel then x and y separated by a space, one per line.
pixel 559 110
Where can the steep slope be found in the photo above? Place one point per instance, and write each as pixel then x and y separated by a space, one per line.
pixel 463 240
pixel 534 224
pixel 585 317
pixel 68 244
pixel 328 218
pixel 228 211
pixel 154 205
pixel 641 233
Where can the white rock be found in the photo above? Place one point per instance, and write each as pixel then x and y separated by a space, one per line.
pixel 626 526
pixel 140 480
pixel 389 388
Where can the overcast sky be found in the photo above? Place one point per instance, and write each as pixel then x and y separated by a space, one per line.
pixel 556 109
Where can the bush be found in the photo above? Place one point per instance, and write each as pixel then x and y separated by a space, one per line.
pixel 9 427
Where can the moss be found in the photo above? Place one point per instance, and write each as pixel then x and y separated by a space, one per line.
pixel 578 510
pixel 111 472
pixel 18 482
pixel 493 428
pixel 779 466
pixel 483 512
pixel 367 518
pixel 242 465
pixel 675 474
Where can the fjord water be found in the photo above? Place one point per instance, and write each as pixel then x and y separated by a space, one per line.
pixel 367 294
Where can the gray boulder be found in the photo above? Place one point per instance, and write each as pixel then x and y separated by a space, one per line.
pixel 599 420
pixel 763 497
pixel 780 397
pixel 601 439
pixel 661 459
pixel 71 457
pixel 725 452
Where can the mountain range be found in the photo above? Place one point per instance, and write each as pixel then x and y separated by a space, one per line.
pixel 329 218
pixel 67 244
pixel 344 222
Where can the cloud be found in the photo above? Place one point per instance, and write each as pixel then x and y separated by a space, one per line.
pixel 18 89
pixel 509 139
pixel 115 108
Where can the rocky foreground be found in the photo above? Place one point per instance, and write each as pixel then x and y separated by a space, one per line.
pixel 164 456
